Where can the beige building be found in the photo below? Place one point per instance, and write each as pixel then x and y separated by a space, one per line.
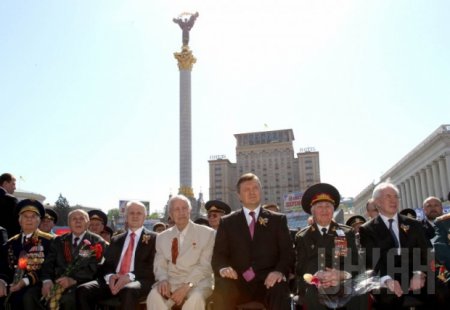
pixel 423 172
pixel 270 155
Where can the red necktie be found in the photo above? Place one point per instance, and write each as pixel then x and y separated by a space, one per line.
pixel 126 261
pixel 174 250
pixel 251 227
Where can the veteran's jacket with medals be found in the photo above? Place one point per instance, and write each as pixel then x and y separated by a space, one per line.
pixel 442 241
pixel 35 250
pixel 336 249
pixel 63 254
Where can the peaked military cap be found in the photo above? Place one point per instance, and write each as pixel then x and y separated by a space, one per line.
pixel 98 215
pixel 217 206
pixel 320 192
pixel 409 213
pixel 31 205
pixel 355 219
pixel 51 215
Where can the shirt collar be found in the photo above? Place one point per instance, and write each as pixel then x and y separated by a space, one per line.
pixel 80 237
pixel 247 211
pixel 386 219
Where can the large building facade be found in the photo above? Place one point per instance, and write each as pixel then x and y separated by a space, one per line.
pixel 270 155
pixel 423 172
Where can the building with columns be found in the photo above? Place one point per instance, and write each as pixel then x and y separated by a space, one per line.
pixel 423 172
pixel 270 155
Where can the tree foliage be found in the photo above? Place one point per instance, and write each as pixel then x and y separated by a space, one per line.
pixel 62 208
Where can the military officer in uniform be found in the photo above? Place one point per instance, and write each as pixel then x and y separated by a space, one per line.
pixel 441 245
pixel 97 221
pixel 325 249
pixel 49 221
pixel 216 209
pixel 22 256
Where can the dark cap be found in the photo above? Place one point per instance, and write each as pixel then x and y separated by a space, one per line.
pixel 51 215
pixel 320 192
pixel 409 213
pixel 98 215
pixel 217 206
pixel 159 224
pixel 202 221
pixel 31 205
pixel 108 230
pixel 355 219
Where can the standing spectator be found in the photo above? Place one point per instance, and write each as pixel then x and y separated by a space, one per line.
pixel 64 250
pixel 49 221
pixel 9 218
pixel 31 247
pixel 159 227
pixel 128 267
pixel 253 253
pixel 325 249
pixel 97 221
pixel 371 209
pixel 432 208
pixel 396 248
pixel 216 209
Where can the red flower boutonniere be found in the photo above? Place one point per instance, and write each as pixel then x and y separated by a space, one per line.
pixel 263 221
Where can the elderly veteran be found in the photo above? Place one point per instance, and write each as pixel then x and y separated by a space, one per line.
pixel 22 257
pixel 49 221
pixel 97 221
pixel 216 209
pixel 325 249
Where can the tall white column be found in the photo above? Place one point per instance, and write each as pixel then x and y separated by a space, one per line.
pixel 408 194
pixel 412 189
pixel 423 183
pixel 418 190
pixel 435 174
pixel 429 181
pixel 402 195
pixel 444 178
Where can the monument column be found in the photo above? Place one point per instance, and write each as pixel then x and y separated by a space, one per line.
pixel 186 61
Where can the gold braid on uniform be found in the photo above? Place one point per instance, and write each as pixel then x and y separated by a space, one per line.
pixel 53 303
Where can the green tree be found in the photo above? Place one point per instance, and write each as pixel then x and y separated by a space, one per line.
pixel 155 216
pixel 62 208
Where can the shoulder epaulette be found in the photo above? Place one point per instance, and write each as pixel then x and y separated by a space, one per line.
pixel 443 217
pixel 15 237
pixel 44 235
pixel 302 231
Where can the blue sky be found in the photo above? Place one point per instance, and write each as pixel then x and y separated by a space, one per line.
pixel 89 95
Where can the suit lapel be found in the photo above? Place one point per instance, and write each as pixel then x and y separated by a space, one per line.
pixel 401 231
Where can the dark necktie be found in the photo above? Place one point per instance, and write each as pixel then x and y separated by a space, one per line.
pixel 126 260
pixel 75 242
pixel 324 231
pixel 174 250
pixel 396 243
pixel 251 227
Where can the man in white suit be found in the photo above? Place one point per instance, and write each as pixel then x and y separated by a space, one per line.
pixel 182 263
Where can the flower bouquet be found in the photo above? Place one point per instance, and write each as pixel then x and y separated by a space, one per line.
pixel 338 296
pixel 86 251
pixel 19 272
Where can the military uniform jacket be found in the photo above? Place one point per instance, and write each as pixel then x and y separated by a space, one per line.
pixel 35 250
pixel 442 240
pixel 336 249
pixel 63 254
pixel 429 229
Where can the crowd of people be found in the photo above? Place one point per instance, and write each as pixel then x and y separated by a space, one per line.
pixel 248 255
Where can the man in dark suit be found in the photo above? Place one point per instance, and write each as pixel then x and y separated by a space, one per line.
pixel 22 256
pixel 253 253
pixel 432 208
pixel 396 248
pixel 66 251
pixel 325 249
pixel 128 268
pixel 9 218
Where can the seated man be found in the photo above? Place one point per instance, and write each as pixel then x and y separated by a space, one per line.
pixel 182 262
pixel 73 260
pixel 25 251
pixel 325 249
pixel 253 253
pixel 128 268
pixel 49 221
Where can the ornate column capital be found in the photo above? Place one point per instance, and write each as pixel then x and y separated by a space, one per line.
pixel 185 59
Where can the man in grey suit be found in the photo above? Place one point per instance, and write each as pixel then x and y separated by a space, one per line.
pixel 182 264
